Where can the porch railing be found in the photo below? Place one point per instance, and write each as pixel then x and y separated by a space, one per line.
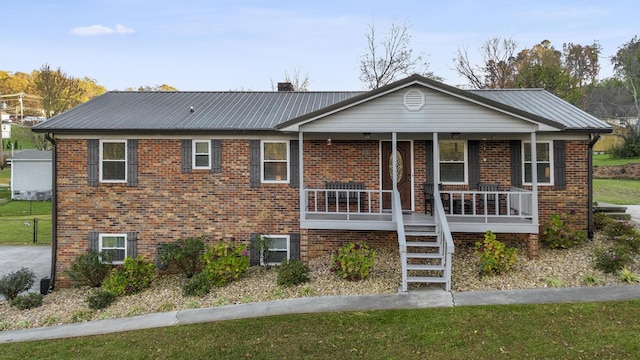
pixel 402 239
pixel 444 232
pixel 513 203
pixel 347 202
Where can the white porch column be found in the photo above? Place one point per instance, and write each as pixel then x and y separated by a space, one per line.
pixel 394 160
pixel 303 202
pixel 436 161
pixel 534 177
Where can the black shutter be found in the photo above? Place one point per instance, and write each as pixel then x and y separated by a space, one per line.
pixel 559 164
pixel 216 156
pixel 294 164
pixel 132 244
pixel 132 162
pixel 186 156
pixel 429 161
pixel 294 246
pixel 254 252
pixel 254 163
pixel 94 237
pixel 93 155
pixel 516 163
pixel 474 164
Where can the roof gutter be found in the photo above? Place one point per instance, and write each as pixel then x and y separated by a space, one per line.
pixel 593 139
pixel 54 211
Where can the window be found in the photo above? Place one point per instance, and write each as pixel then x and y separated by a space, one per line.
pixel 201 154
pixel 113 161
pixel 275 161
pixel 114 246
pixel 278 249
pixel 453 162
pixel 544 157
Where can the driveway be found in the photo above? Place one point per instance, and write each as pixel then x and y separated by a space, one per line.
pixel 36 258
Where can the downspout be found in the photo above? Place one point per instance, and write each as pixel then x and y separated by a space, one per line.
pixel 593 141
pixel 54 211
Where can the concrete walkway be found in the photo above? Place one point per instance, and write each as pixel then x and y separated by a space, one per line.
pixel 410 300
pixel 36 258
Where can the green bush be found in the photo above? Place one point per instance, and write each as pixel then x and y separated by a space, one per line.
pixel 133 276
pixel 620 228
pixel 292 272
pixel 184 253
pixel 197 285
pixel 225 262
pixel 100 299
pixel 558 235
pixel 353 261
pixel 493 256
pixel 89 269
pixel 612 259
pixel 26 301
pixel 601 221
pixel 629 148
pixel 16 282
pixel 629 242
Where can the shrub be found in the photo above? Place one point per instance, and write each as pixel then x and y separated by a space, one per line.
pixel 26 301
pixel 629 242
pixel 89 269
pixel 198 285
pixel 131 277
pixel 620 228
pixel 628 276
pixel 184 253
pixel 225 262
pixel 100 299
pixel 601 221
pixel 558 235
pixel 16 282
pixel 292 272
pixel 612 259
pixel 494 256
pixel 261 245
pixel 353 261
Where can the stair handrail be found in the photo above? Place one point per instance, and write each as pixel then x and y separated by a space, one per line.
pixel 402 239
pixel 442 226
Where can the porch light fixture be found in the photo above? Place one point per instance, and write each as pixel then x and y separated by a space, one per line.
pixel 455 135
pixel 366 135
pixel 329 142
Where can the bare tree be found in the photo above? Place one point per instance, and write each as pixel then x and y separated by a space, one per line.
pixel 498 69
pixel 391 58
pixel 299 83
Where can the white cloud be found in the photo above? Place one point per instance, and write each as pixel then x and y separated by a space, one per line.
pixel 97 30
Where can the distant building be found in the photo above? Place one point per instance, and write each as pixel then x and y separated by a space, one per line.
pixel 31 175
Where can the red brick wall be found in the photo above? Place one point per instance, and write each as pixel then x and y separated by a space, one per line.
pixel 168 205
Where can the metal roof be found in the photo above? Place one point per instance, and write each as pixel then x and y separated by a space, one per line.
pixel 544 104
pixel 149 111
pixel 258 111
pixel 31 155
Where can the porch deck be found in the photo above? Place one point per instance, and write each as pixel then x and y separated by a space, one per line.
pixel 483 216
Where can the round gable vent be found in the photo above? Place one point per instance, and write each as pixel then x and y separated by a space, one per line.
pixel 413 100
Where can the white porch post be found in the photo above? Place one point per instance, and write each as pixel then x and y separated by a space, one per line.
pixel 534 177
pixel 303 203
pixel 436 161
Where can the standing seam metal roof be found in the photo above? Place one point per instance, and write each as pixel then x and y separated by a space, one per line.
pixel 220 111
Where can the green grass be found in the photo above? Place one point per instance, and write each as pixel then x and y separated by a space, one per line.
pixel 617 191
pixel 23 136
pixel 17 222
pixel 551 331
pixel 606 159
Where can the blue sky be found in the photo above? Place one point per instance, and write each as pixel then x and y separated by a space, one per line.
pixel 234 45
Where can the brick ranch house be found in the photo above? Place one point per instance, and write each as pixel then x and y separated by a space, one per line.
pixel 136 169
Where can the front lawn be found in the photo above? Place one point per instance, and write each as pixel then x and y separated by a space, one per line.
pixel 617 191
pixel 17 222
pixel 606 159
pixel 551 331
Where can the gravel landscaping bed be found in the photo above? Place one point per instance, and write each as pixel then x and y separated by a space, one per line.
pixel 563 268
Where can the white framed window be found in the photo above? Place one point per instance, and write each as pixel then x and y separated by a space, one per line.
pixel 274 161
pixel 544 158
pixel 201 154
pixel 453 161
pixel 115 246
pixel 279 250
pixel 113 161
